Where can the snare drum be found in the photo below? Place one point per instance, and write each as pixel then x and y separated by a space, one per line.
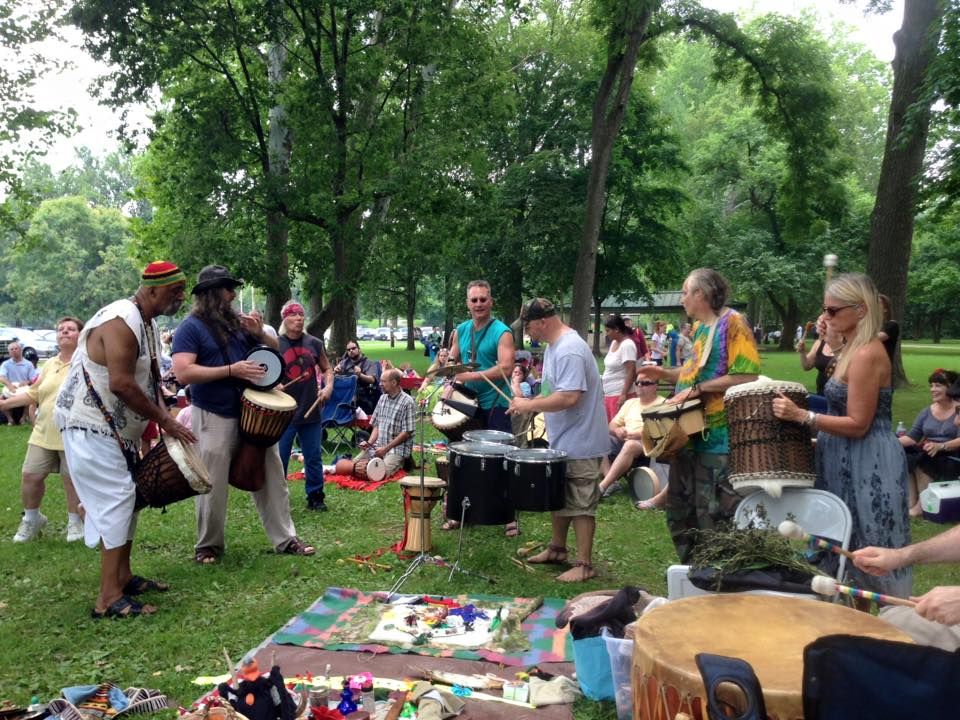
pixel 768 632
pixel 270 361
pixel 493 436
pixel 765 452
pixel 170 472
pixel 536 478
pixel 417 537
pixel 370 469
pixel 450 421
pixel 477 472
pixel 264 416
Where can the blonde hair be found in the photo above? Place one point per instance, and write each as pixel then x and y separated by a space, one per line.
pixel 857 289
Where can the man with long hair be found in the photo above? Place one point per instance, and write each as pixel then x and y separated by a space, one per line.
pixel 209 351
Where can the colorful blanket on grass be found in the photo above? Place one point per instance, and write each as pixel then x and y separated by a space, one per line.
pixel 349 482
pixel 322 624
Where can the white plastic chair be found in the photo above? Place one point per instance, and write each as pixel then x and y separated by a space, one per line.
pixel 818 512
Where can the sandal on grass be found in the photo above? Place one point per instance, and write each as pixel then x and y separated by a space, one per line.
pixel 645 505
pixel 138 585
pixel 511 529
pixel 123 608
pixel 205 556
pixel 553 555
pixel 580 572
pixel 296 546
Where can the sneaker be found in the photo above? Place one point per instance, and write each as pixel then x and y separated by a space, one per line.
pixel 315 501
pixel 29 530
pixel 74 529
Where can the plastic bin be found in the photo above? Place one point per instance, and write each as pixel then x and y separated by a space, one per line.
pixel 593 667
pixel 620 651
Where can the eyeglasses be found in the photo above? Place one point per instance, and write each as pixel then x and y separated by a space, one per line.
pixel 647 382
pixel 832 311
pixel 351 349
pixel 479 299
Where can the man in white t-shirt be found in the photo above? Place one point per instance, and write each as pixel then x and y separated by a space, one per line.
pixel 576 424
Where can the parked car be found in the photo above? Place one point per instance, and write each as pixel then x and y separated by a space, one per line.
pixel 400 333
pixel 30 340
pixel 46 334
pixel 383 333
pixel 366 334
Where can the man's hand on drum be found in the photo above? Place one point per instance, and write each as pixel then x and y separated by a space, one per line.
pixel 942 605
pixel 381 452
pixel 181 432
pixel 785 409
pixel 519 405
pixel 683 396
pixel 247 370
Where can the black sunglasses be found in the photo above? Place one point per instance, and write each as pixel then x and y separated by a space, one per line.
pixel 480 299
pixel 832 311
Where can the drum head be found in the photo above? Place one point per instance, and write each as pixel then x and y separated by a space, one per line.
pixel 376 469
pixel 643 483
pixel 428 482
pixel 536 455
pixel 479 449
pixel 272 363
pixel 270 400
pixel 493 436
pixel 189 464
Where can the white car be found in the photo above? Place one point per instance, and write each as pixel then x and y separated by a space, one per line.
pixel 31 341
pixel 383 333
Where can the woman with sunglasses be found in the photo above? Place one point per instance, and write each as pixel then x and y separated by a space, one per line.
pixel 933 440
pixel 858 456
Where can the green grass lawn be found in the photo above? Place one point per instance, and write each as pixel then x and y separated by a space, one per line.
pixel 48 587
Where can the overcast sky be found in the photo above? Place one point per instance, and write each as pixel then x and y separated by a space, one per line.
pixel 70 89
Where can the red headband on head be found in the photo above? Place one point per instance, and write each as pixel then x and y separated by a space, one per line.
pixel 291 309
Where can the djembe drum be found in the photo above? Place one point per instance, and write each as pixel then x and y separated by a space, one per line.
pixel 264 416
pixel 418 507
pixel 370 469
pixel 172 471
pixel 768 632
pixel 765 452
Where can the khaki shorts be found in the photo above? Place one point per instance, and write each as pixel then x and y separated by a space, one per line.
pixel 582 492
pixel 41 461
pixel 394 462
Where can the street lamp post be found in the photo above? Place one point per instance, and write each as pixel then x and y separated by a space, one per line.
pixel 829 263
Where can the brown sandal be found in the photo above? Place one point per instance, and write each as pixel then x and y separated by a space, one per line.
pixel 580 571
pixel 553 555
pixel 296 546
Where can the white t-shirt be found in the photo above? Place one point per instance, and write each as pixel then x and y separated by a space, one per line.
pixel 657 348
pixel 614 373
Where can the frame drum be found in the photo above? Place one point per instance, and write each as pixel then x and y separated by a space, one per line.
pixel 270 361
pixel 476 472
pixel 536 479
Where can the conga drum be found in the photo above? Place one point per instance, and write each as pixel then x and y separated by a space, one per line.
pixel 767 453
pixel 419 506
pixel 768 632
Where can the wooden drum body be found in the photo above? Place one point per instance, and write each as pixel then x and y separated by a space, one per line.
pixel 768 632
pixel 370 469
pixel 170 472
pixel 765 452
pixel 536 479
pixel 476 471
pixel 450 421
pixel 419 506
pixel 264 416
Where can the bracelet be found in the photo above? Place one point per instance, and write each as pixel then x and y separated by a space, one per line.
pixel 811 420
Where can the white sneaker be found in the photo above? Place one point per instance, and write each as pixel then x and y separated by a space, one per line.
pixel 74 529
pixel 29 530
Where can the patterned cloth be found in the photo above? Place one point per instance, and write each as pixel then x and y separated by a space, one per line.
pixel 338 607
pixel 733 352
pixel 393 416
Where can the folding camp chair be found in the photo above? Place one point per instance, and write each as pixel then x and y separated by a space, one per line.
pixel 339 414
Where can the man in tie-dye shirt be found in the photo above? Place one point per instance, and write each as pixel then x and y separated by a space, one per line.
pixel 724 354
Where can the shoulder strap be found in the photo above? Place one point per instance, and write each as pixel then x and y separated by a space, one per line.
pixel 108 416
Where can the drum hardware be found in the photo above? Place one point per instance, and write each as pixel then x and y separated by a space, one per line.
pixel 422 558
pixel 451 370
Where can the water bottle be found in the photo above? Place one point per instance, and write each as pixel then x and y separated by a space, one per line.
pixel 901 429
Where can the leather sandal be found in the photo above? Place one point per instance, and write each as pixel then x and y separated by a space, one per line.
pixel 553 555
pixel 137 585
pixel 205 556
pixel 580 571
pixel 124 607
pixel 296 546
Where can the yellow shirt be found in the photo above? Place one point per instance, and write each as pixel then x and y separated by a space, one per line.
pixel 44 393
pixel 630 414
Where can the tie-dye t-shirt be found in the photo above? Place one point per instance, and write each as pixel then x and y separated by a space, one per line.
pixel 734 352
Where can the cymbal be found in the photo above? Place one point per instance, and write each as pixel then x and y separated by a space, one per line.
pixel 451 370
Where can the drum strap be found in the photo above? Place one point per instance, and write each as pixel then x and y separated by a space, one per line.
pixel 128 454
pixel 152 346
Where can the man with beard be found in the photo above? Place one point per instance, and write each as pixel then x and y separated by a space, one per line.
pixel 209 348
pixel 111 392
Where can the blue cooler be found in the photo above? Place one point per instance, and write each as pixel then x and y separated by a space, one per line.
pixel 940 501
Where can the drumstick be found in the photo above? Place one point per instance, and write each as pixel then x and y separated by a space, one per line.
pixel 823 585
pixel 230 668
pixel 313 407
pixel 294 381
pixel 504 376
pixel 790 529
pixel 500 392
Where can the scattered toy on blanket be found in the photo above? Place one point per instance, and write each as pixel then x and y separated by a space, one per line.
pixel 474 682
pixel 347 704
pixel 257 696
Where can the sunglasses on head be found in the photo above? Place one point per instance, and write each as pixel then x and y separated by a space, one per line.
pixel 832 311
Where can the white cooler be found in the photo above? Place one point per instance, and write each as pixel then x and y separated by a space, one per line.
pixel 940 501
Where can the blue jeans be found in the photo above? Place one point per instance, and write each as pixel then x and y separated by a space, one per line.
pixel 311 436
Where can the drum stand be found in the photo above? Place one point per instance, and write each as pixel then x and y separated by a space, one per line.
pixel 423 558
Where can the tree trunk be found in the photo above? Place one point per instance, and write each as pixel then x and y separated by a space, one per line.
pixel 608 110
pixel 279 148
pixel 891 223
pixel 596 325
pixel 790 322
pixel 411 298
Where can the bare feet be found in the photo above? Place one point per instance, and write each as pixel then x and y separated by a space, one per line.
pixel 578 573
pixel 553 555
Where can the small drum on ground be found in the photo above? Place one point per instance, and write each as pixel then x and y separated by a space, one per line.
pixel 494 436
pixel 443 467
pixel 420 505
pixel 765 452
pixel 768 632
pixel 264 416
pixel 453 422
pixel 370 469
pixel 477 472
pixel 343 466
pixel 270 361
pixel 536 478
pixel 170 472
pixel 666 427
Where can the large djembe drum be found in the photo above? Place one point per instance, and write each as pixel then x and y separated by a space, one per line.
pixel 768 632
pixel 418 506
pixel 767 453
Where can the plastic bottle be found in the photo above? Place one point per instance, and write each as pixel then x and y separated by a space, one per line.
pixel 901 429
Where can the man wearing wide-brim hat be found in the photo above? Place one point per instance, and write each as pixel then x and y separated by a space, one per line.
pixel 209 351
